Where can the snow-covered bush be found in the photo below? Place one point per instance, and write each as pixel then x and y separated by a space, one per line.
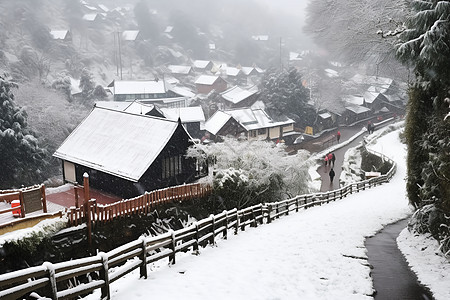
pixel 260 170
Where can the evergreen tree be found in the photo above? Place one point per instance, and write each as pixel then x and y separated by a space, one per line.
pixel 87 84
pixel 284 94
pixel 424 44
pixel 21 158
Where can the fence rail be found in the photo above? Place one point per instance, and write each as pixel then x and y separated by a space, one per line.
pixel 139 253
pixel 142 204
pixel 30 198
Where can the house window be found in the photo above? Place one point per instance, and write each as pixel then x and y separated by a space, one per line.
pixel 262 131
pixel 171 166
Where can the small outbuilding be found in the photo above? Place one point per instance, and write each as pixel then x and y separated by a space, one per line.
pixel 127 154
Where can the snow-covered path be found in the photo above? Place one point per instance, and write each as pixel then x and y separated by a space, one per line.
pixel 314 254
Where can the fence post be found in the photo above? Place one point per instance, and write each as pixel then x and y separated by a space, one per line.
pixel 296 204
pixel 236 229
pixel 52 278
pixel 104 275
pixel 287 207
pixel 22 207
pixel 254 217
pixel 44 199
pixel 225 230
pixel 173 246
pixel 269 218
pixel 261 221
pixel 143 257
pixel 87 207
pixel 196 238
pixel 213 226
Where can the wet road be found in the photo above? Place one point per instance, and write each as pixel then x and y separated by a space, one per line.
pixel 391 275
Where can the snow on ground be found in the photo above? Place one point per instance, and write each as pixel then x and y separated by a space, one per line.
pixel 317 253
pixel 432 269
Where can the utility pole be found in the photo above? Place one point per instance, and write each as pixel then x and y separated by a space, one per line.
pixel 115 55
pixel 120 54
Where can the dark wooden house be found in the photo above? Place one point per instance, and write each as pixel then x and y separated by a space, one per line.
pixel 127 154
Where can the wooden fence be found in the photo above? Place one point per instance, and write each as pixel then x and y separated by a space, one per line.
pixel 142 204
pixel 137 254
pixel 31 199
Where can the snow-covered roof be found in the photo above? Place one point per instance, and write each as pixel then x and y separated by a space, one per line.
pixel 249 70
pixel 103 7
pixel 89 17
pixel 369 97
pixel 357 109
pixel 294 56
pixel 236 94
pixel 139 108
pixel 168 29
pixel 186 114
pixel 331 73
pixel 355 100
pixel 216 122
pixel 231 71
pixel 127 87
pixel 183 91
pixel 206 79
pixel 250 119
pixel 201 64
pixel 260 37
pixel 115 105
pixel 130 35
pixel 212 46
pixel 92 8
pixel 177 69
pixel 59 34
pixel 117 143
pixel 325 115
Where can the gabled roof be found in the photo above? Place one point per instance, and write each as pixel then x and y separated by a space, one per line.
pixel 370 97
pixel 217 121
pixel 117 143
pixel 248 118
pixel 126 87
pixel 59 34
pixel 139 108
pixel 231 71
pixel 207 79
pixel 183 91
pixel 130 35
pixel 236 94
pixel 260 37
pixel 178 69
pixel 354 100
pixel 90 17
pixel 186 114
pixel 357 109
pixel 201 64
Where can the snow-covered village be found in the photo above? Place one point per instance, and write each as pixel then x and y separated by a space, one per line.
pixel 238 149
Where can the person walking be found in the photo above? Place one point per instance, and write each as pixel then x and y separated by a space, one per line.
pixel 338 136
pixel 326 160
pixel 332 174
pixel 333 158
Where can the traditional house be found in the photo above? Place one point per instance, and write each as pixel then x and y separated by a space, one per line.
pixel 129 90
pixel 375 101
pixel 202 65
pixel 61 35
pixel 130 35
pixel 127 154
pixel 180 71
pixel 192 118
pixel 207 83
pixel 239 97
pixel 354 113
pixel 253 123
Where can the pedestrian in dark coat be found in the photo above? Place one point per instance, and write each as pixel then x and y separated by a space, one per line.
pixel 332 174
pixel 333 158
